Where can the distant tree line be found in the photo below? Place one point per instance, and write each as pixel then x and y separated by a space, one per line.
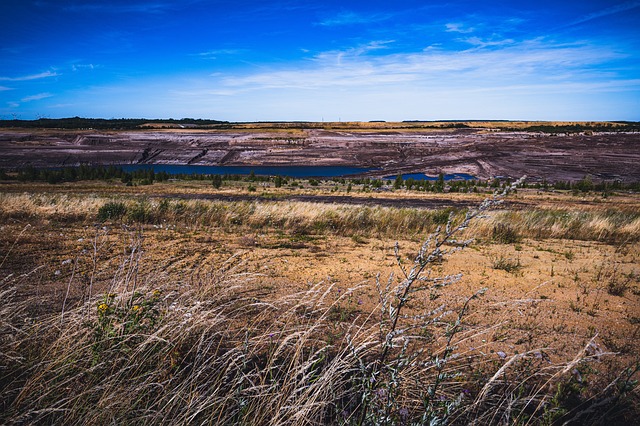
pixel 439 185
pixel 587 184
pixel 106 124
pixel 76 123
pixel 621 126
pixel 141 176
pixel 86 172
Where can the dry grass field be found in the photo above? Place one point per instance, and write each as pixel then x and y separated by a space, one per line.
pixel 272 310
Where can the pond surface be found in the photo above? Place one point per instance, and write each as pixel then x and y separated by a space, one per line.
pixel 422 176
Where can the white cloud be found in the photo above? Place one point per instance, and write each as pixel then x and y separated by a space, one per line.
pixel 45 74
pixel 511 62
pixel 533 79
pixel 76 67
pixel 479 42
pixel 356 51
pixel 456 27
pixel 4 88
pixel 36 97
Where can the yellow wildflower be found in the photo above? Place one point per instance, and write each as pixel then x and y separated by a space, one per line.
pixel 103 307
pixel 136 308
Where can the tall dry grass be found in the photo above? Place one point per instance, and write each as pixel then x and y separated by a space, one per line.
pixel 605 224
pixel 218 354
pixel 215 351
pixel 48 206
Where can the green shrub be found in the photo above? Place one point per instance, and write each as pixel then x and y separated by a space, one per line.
pixel 441 217
pixel 112 210
pixel 140 212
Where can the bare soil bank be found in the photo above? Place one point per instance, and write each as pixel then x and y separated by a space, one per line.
pixel 479 152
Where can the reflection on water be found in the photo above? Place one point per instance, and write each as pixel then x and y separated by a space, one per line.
pixel 422 176
pixel 290 171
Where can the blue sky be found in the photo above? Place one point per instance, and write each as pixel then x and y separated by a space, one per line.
pixel 331 60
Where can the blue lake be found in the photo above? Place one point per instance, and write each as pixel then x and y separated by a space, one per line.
pixel 290 171
pixel 422 176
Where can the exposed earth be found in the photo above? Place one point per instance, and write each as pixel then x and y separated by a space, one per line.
pixel 481 152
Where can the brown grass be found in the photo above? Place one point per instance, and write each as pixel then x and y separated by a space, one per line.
pixel 267 312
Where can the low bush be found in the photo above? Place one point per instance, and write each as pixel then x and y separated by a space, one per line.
pixel 140 212
pixel 112 210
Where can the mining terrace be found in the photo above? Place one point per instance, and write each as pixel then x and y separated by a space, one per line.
pixel 481 152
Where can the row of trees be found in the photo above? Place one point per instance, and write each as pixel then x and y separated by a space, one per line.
pixel 141 176
pixel 620 126
pixel 587 184
pixel 106 124
pixel 149 176
pixel 85 172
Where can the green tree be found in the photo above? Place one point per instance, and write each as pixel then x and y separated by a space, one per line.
pixel 438 186
pixel 397 184
pixel 584 185
pixel 409 183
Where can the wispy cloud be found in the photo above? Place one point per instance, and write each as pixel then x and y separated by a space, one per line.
pixel 622 7
pixel 45 74
pixel 36 97
pixel 457 27
pixel 354 18
pixel 530 79
pixel 482 43
pixel 77 67
pixel 4 88
pixel 513 64
pixel 213 54
pixel 360 49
